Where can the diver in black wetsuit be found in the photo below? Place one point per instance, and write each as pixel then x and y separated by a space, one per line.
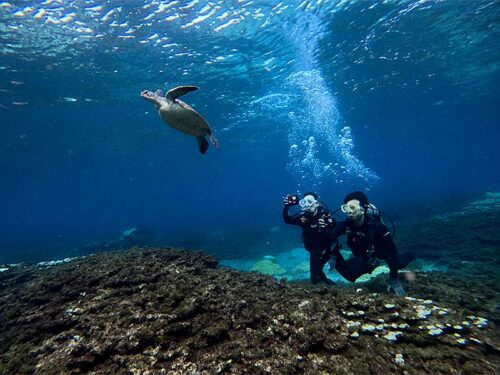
pixel 315 241
pixel 369 240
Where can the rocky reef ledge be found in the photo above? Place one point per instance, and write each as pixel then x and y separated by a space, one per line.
pixel 160 311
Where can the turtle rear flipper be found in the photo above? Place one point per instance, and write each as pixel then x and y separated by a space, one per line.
pixel 202 144
pixel 213 140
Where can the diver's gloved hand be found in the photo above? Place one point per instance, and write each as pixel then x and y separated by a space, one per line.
pixel 290 200
pixel 395 286
pixel 375 262
pixel 326 221
pixel 332 263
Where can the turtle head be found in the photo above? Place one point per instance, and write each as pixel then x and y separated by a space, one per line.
pixel 153 97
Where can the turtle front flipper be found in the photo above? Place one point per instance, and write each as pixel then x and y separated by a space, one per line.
pixel 202 144
pixel 179 91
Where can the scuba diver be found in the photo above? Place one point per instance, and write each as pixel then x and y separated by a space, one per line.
pixel 313 236
pixel 369 240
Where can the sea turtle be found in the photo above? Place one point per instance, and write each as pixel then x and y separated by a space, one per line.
pixel 181 116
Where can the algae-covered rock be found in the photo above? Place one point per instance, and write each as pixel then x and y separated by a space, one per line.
pixel 490 194
pixel 376 272
pixel 166 311
pixel 268 267
pixel 301 268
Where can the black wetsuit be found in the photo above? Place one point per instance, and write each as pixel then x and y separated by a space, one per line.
pixel 368 242
pixel 315 241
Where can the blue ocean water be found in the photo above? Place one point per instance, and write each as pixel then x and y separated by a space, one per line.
pixel 397 98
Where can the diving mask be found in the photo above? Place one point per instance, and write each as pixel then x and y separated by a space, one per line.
pixel 352 208
pixel 309 203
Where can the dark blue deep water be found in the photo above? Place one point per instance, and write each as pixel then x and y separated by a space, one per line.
pixel 397 98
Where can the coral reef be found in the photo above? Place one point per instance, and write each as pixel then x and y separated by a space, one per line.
pixel 159 311
pixel 466 244
pixel 468 235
